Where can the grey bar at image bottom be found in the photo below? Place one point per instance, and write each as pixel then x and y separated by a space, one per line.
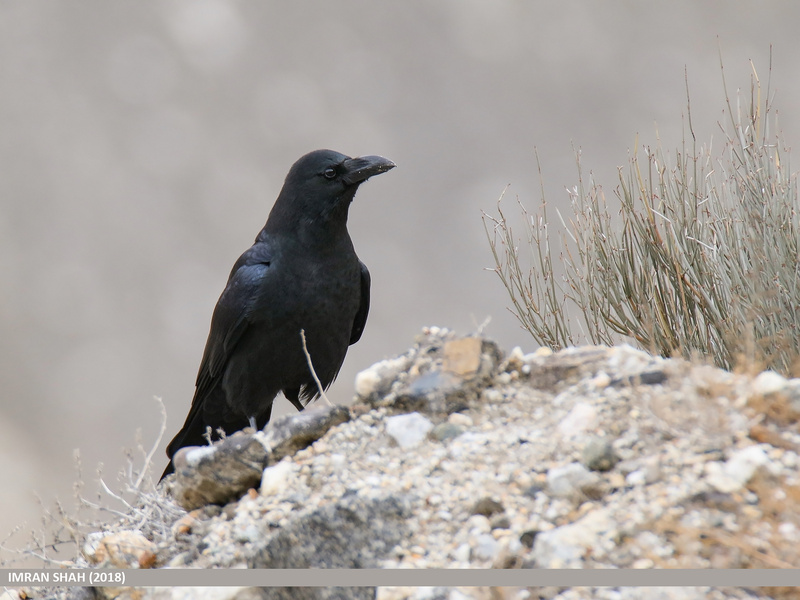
pixel 411 577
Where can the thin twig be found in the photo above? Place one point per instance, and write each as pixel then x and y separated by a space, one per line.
pixel 311 367
pixel 148 459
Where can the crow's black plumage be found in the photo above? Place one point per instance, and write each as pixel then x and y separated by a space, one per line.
pixel 301 273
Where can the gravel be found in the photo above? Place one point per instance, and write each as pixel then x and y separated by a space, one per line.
pixel 572 459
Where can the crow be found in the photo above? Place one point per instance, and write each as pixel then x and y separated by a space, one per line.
pixel 302 273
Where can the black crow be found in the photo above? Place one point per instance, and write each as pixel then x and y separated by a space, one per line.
pixel 301 273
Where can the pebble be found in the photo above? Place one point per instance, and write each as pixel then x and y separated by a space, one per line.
pixel 275 478
pixel 486 547
pixel 581 418
pixel 379 377
pixel 737 470
pixel 570 480
pixel 768 382
pixel 599 455
pixel 408 430
pixel 462 553
pixel 446 431
pixel 487 507
pixel 460 419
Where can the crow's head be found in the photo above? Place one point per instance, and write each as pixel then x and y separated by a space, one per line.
pixel 321 185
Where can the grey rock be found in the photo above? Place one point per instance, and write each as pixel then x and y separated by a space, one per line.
pixel 446 374
pixel 218 474
pixel 528 537
pixel 500 521
pixel 352 533
pixel 446 431
pixel 285 436
pixel 377 380
pixel 429 392
pixel 571 481
pixel 654 377
pixel 564 368
pixel 223 472
pixel 487 507
pixel 599 454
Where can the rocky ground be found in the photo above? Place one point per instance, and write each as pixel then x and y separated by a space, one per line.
pixel 456 456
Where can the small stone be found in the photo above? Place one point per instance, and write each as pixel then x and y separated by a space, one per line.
pixel 768 382
pixel 601 380
pixel 599 454
pixel 123 550
pixel 446 431
pixel 737 470
pixel 218 474
pixel 377 380
pixel 566 546
pixel 500 521
pixel 789 532
pixel 487 507
pixel 461 554
pixel 462 357
pixel 532 490
pixel 486 547
pixel 636 478
pixel 477 524
pixel 570 480
pixel 514 361
pixel 503 378
pixel 644 378
pixel 367 382
pixel 527 538
pixel 408 430
pixel 276 478
pixel 428 392
pixel 187 523
pixel 581 418
pixel 732 475
pixel 287 435
pixel 492 396
pixel 460 419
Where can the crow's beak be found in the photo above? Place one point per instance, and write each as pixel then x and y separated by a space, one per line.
pixel 363 167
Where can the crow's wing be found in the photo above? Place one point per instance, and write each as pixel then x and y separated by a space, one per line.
pixel 230 319
pixel 363 308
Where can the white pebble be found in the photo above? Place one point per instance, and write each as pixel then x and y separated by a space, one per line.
pixel 568 480
pixel 367 382
pixel 408 430
pixel 478 524
pixel 462 553
pixel 276 477
pixel 460 419
pixel 486 547
pixel 582 417
pixel 768 382
pixel 737 471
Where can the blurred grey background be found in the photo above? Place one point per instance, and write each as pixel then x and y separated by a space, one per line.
pixel 143 143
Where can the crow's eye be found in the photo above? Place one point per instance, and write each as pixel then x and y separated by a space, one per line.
pixel 329 173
